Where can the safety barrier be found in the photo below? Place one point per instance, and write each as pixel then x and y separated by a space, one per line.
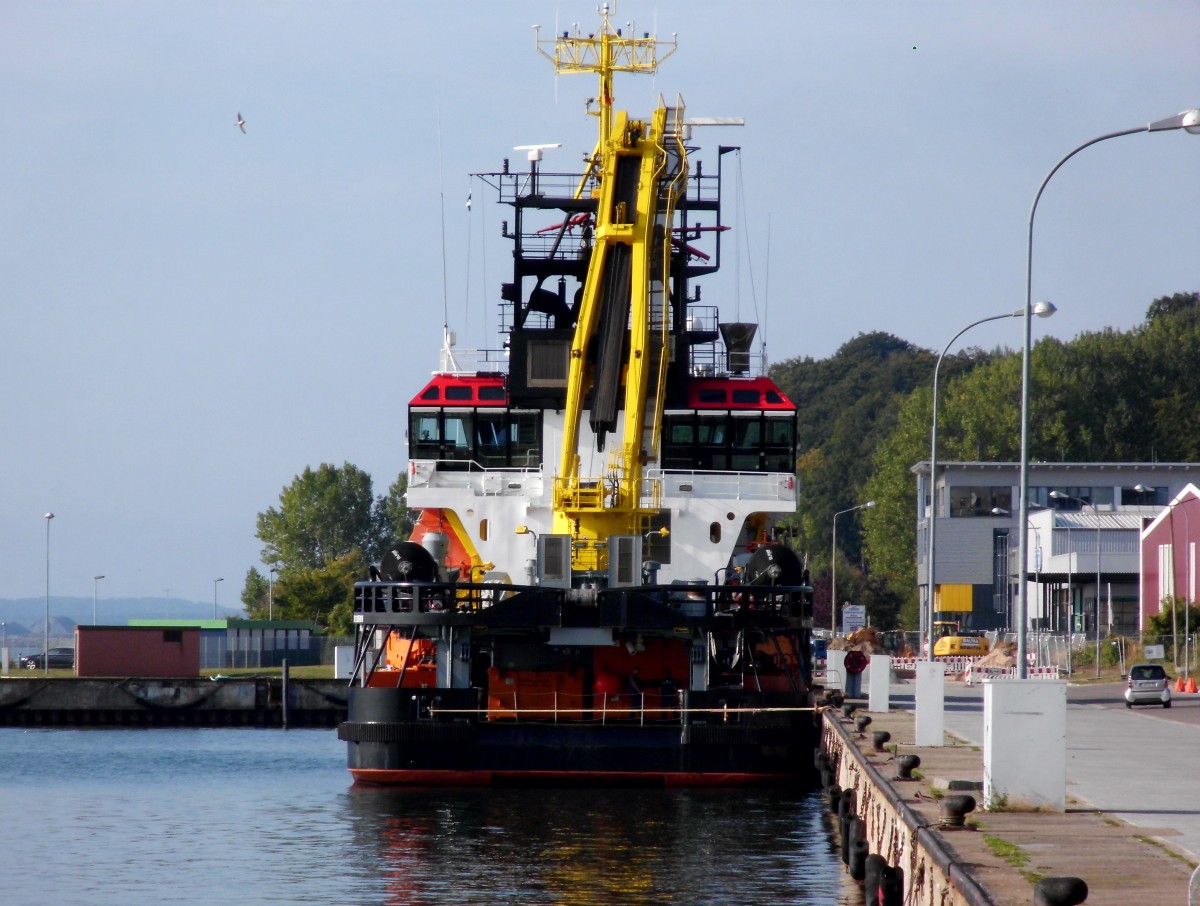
pixel 975 672
pixel 956 664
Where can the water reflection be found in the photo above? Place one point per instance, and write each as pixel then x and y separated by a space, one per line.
pixel 598 846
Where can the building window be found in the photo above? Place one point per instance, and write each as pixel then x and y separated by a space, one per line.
pixel 1148 497
pixel 979 500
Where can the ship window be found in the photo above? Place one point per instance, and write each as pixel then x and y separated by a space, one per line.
pixel 430 393
pixel 491 393
pixel 423 435
pixel 458 393
pixel 712 395
pixel 491 438
pixel 714 532
pixel 774 397
pixel 483 530
pixel 456 436
pixel 525 439
pixel 745 396
pixel 711 452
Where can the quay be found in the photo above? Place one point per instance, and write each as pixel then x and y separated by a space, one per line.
pixel 1130 831
pixel 239 701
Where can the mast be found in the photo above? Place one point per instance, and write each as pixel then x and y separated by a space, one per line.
pixel 620 348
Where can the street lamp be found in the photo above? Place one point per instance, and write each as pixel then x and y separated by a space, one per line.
pixel 46 649
pixel 215 581
pixel 1188 120
pixel 1045 310
pixel 870 504
pixel 95 594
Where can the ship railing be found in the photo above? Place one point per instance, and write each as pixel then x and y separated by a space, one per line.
pixel 521 479
pixel 408 602
pixel 711 360
pixel 648 708
pixel 709 485
pixel 473 361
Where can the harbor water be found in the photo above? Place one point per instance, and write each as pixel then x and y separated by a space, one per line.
pixel 268 816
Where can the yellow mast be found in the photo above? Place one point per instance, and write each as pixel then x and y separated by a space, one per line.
pixel 641 170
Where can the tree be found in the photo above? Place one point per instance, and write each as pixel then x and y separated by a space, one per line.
pixel 323 595
pixel 396 520
pixel 323 515
pixel 255 594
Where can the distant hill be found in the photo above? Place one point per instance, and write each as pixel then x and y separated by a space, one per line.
pixel 26 616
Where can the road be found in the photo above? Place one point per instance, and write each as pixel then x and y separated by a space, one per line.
pixel 1142 765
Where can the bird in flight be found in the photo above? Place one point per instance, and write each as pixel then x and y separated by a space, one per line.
pixel 241 123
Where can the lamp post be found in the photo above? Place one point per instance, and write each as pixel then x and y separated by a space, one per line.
pixel 46 648
pixel 215 581
pixel 1046 310
pixel 95 595
pixel 870 504
pixel 1188 120
pixel 1059 495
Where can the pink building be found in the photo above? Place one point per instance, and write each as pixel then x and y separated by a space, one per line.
pixel 1168 551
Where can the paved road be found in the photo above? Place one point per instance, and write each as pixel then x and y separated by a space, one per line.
pixel 1141 764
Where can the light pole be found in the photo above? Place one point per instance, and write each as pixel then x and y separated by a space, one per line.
pixel 95 595
pixel 870 504
pixel 271 595
pixel 46 648
pixel 1188 120
pixel 215 581
pixel 1045 310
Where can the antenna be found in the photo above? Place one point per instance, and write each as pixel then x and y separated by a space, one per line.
pixel 535 151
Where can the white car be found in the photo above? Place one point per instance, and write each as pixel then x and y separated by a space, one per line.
pixel 1148 684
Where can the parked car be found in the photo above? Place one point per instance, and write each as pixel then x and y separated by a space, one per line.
pixel 60 658
pixel 1148 685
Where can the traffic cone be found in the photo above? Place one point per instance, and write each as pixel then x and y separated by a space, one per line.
pixel 1179 683
pixel 1191 685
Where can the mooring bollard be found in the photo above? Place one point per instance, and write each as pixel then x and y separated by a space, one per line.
pixel 879 739
pixel 905 765
pixel 848 709
pixel 955 809
pixel 872 871
pixel 862 722
pixel 1060 892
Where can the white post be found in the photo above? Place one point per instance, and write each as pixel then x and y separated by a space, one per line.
pixel 1025 744
pixel 879 683
pixel 931 700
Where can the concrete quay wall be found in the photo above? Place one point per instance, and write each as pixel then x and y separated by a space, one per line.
pixel 148 701
pixel 892 829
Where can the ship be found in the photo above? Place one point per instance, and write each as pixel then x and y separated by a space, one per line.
pixel 599 588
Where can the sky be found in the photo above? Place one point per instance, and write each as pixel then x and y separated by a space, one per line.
pixel 193 315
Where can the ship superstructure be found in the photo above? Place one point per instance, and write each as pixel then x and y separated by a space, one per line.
pixel 594 590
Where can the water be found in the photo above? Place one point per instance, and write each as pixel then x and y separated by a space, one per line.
pixel 266 816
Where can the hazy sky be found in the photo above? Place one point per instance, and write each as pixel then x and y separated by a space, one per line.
pixel 193 315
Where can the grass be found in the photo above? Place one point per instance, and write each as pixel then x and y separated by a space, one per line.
pixel 1013 855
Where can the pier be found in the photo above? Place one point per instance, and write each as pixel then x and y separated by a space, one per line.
pixel 1130 831
pixel 243 701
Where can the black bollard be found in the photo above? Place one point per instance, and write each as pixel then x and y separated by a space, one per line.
pixel 872 871
pixel 848 709
pixel 955 809
pixel 834 794
pixel 905 765
pixel 891 886
pixel 859 850
pixel 1060 892
pixel 879 739
pixel 853 833
pixel 862 722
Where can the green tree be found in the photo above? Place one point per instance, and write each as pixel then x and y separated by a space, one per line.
pixel 323 515
pixel 396 520
pixel 323 595
pixel 255 594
